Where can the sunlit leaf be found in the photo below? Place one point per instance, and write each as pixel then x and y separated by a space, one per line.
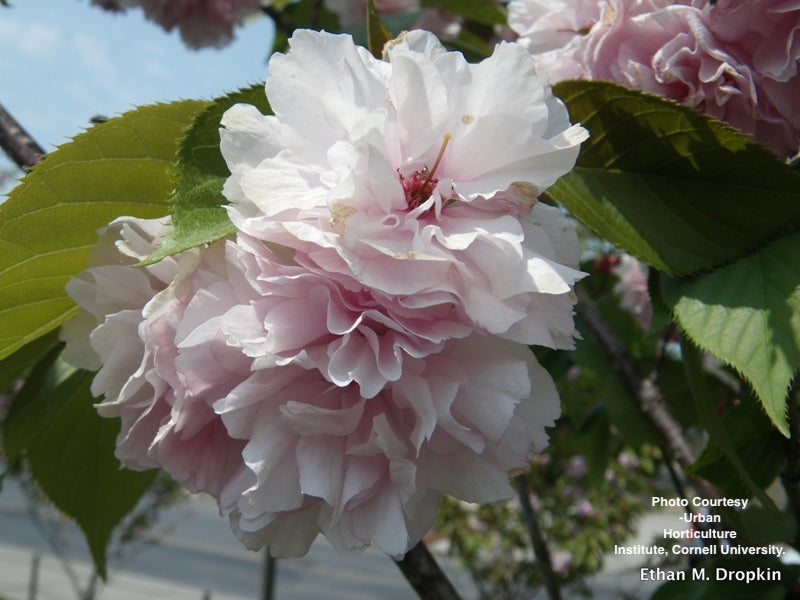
pixel 124 166
pixel 198 216
pixel 748 315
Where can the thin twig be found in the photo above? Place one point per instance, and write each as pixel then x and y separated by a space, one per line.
pixel 426 576
pixel 17 143
pixel 537 540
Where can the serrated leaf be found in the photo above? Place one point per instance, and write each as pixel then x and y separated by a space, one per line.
pixel 486 12
pixel 70 450
pixel 759 448
pixel 678 190
pixel 198 216
pixel 377 32
pixel 748 315
pixel 49 222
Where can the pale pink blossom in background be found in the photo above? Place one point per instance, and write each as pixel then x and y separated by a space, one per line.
pixel 415 178
pixel 186 351
pixel 201 22
pixel 562 561
pixel 633 290
pixel 733 60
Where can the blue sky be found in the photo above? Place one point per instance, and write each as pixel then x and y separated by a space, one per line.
pixel 64 61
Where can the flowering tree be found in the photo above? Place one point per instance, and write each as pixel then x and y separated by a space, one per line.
pixel 333 302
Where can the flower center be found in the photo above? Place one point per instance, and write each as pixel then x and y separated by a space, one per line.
pixel 420 184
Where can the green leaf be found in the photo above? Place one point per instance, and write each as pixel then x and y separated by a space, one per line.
pixel 758 448
pixel 761 526
pixel 15 366
pixel 486 12
pixel 70 450
pixel 49 222
pixel 728 438
pixel 748 315
pixel 678 190
pixel 377 33
pixel 198 216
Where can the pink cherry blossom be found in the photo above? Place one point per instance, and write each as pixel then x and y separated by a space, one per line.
pixel 210 359
pixel 416 178
pixel 200 22
pixel 127 329
pixel 633 290
pixel 733 60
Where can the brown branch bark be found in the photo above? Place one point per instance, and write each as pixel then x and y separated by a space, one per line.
pixel 426 576
pixel 17 143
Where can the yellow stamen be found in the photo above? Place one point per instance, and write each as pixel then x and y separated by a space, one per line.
pixel 446 141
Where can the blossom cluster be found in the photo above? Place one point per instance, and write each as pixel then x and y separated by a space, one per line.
pixel 735 60
pixel 359 347
pixel 201 22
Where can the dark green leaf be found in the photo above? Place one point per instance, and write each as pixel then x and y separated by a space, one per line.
pixel 198 216
pixel 677 189
pixel 13 367
pixel 49 222
pixel 748 315
pixel 486 12
pixel 761 526
pixel 70 450
pixel 758 445
pixel 740 444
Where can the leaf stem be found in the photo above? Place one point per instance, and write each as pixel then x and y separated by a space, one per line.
pixel 537 540
pixel 425 575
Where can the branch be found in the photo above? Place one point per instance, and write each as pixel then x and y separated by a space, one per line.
pixel 426 577
pixel 17 144
pixel 537 541
pixel 644 389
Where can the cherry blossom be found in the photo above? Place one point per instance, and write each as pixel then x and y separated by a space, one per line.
pixel 633 290
pixel 416 178
pixel 735 61
pixel 200 22
pixel 198 355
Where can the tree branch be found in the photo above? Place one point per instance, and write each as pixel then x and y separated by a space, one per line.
pixel 537 541
pixel 17 144
pixel 426 576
